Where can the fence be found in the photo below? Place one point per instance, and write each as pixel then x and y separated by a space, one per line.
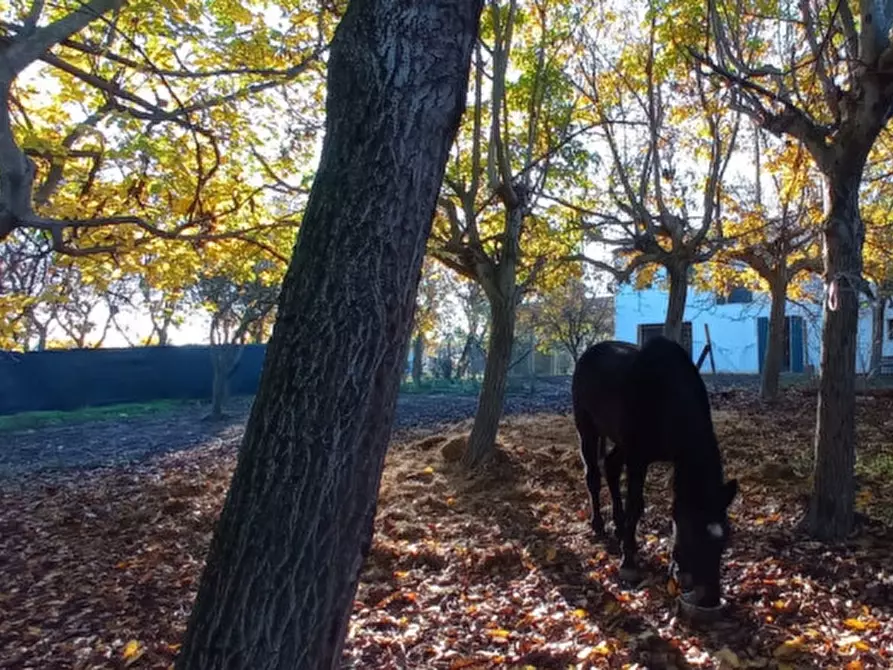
pixel 71 379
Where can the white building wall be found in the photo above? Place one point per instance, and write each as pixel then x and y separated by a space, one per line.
pixel 733 328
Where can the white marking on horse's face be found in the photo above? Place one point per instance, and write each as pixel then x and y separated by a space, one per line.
pixel 715 530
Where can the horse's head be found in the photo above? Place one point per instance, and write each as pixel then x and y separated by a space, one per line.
pixel 700 535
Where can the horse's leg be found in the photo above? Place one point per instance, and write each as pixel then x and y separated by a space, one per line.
pixel 635 505
pixel 613 468
pixel 590 444
pixel 679 568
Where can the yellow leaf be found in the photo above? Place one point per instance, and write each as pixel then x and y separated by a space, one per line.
pixel 855 664
pixel 727 658
pixel 673 587
pixel 859 624
pixel 451 501
pixel 131 649
pixel 498 632
pixel 428 471
pixel 603 649
pixel 789 648
pixel 580 613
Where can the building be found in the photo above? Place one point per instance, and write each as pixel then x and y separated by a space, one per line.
pixel 739 324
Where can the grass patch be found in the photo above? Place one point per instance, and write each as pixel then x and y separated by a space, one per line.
pixel 442 386
pixel 34 420
pixel 469 387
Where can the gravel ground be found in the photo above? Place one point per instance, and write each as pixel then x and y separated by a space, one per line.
pixel 131 439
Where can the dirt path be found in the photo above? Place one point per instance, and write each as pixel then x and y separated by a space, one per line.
pixel 131 439
pixel 135 438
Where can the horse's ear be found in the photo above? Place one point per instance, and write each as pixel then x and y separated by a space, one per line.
pixel 730 490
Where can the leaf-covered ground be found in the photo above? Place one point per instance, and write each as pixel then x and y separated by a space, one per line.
pixel 98 569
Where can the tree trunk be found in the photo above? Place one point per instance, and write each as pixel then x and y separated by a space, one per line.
pixel 830 515
pixel 774 357
pixel 417 360
pixel 464 359
pixel 223 361
pixel 482 441
pixel 285 560
pixel 879 311
pixel 678 275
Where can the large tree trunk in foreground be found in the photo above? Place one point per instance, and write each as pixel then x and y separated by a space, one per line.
pixel 678 276
pixel 830 515
pixel 482 440
pixel 774 358
pixel 285 559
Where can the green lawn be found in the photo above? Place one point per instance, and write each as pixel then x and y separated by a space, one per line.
pixel 33 420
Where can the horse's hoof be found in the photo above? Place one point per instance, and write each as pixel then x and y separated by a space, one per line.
pixel 694 612
pixel 630 575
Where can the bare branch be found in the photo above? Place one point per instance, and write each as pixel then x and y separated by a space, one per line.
pixel 33 17
pixel 792 120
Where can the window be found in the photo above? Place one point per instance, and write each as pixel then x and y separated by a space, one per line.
pixel 648 330
pixel 738 295
pixel 890 329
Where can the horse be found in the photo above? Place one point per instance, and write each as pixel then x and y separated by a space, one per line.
pixel 653 405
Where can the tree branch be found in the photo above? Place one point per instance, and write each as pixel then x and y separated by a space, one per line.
pixel 25 50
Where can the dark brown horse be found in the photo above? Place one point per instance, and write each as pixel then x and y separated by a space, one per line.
pixel 653 406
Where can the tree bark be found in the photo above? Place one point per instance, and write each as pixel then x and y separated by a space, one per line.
pixel 879 311
pixel 224 359
pixel 830 515
pixel 464 359
pixel 417 355
pixel 285 559
pixel 482 441
pixel 678 276
pixel 774 357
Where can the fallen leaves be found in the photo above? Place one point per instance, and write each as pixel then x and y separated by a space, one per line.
pixel 859 624
pixel 132 651
pixel 99 568
pixel 790 648
pixel 726 658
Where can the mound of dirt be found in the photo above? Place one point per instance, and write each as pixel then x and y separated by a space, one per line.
pixel 454 448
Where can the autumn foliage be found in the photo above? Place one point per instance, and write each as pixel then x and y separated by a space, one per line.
pixel 496 570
